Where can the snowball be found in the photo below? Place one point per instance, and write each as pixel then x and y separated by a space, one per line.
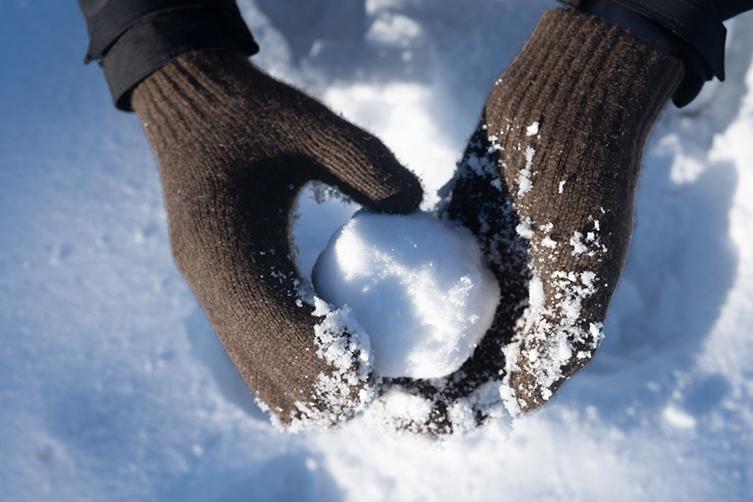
pixel 417 285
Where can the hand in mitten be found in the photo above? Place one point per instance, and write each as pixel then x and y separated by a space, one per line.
pixel 234 146
pixel 561 141
pixel 547 185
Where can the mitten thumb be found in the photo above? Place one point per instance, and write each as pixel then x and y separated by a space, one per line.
pixel 364 169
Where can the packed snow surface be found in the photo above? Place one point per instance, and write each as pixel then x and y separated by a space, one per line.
pixel 113 386
pixel 417 285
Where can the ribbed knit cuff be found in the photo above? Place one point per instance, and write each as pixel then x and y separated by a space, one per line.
pixel 691 29
pixel 587 76
pixel 188 93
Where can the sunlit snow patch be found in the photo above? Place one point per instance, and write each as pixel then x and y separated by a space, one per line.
pixel 418 286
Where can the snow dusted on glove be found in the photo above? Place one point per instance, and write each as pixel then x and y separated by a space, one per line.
pixel 234 146
pixel 547 185
pixel 561 140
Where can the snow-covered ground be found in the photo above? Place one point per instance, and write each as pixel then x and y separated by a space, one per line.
pixel 113 387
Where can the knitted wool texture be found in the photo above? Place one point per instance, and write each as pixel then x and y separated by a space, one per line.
pixel 547 185
pixel 234 146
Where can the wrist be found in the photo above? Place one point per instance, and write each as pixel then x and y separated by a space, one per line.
pixel 576 65
pixel 690 30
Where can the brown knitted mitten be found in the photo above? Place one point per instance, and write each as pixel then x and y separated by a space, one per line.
pixel 234 146
pixel 547 185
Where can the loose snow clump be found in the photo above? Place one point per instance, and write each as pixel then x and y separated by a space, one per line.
pixel 417 285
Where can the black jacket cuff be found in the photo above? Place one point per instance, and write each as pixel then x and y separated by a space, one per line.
pixel 131 39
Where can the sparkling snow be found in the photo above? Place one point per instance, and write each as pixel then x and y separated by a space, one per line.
pixel 417 285
pixel 113 387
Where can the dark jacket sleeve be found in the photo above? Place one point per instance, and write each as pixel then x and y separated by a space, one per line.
pixel 131 39
pixel 731 8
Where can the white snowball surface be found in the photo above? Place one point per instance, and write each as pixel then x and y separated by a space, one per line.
pixel 417 285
